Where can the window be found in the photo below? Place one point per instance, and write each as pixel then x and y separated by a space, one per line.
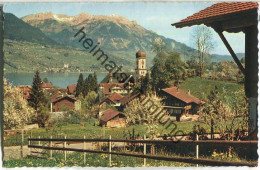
pixel 177 111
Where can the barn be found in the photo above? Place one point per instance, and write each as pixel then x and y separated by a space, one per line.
pixel 63 103
pixel 112 118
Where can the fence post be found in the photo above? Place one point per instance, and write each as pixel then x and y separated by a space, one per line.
pixel 29 143
pixel 110 148
pixel 51 146
pixel 64 145
pixel 22 145
pixel 144 151
pixel 197 148
pixel 39 142
pixel 84 147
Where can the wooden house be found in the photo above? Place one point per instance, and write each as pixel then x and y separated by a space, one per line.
pixel 128 98
pixel 178 102
pixel 113 99
pixel 61 103
pixel 112 118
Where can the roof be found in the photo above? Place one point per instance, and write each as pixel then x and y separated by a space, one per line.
pixel 107 100
pixel 140 54
pixel 65 90
pixel 109 114
pixel 59 98
pixel 72 88
pixel 46 85
pixel 115 97
pixel 218 11
pixel 129 97
pixel 108 86
pixel 183 96
pixel 25 88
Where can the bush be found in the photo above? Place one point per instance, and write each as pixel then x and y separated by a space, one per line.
pixel 197 129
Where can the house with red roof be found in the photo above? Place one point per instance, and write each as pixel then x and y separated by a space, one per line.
pixel 110 88
pixel 46 86
pixel 112 99
pixel 112 118
pixel 179 102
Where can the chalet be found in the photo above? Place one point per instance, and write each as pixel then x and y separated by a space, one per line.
pixel 128 98
pixel 106 89
pixel 112 118
pixel 72 89
pixel 61 103
pixel 113 99
pixel 178 102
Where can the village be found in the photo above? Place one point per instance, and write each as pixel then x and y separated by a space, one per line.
pixel 114 96
pixel 183 109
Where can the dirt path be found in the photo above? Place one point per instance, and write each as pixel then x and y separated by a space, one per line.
pixel 14 152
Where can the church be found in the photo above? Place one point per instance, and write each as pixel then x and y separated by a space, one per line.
pixel 122 83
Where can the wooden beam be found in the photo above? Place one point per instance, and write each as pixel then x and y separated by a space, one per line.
pixel 223 38
pixel 1 79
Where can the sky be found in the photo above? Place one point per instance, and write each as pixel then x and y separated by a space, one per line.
pixel 155 16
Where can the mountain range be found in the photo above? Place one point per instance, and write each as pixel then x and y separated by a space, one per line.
pixel 118 37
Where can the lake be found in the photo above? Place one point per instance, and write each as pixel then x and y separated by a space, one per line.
pixel 61 80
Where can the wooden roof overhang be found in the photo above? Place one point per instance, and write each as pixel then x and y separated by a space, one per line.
pixel 231 22
pixel 233 17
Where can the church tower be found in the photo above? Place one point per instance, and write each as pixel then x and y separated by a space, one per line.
pixel 140 64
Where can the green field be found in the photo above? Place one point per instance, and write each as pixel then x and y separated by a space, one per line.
pixel 102 160
pixel 91 131
pixel 200 87
pixel 93 160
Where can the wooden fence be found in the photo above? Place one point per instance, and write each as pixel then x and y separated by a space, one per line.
pixel 196 160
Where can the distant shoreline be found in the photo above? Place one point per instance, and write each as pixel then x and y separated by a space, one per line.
pixel 54 72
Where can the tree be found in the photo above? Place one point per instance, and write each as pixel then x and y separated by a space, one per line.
pixel 160 78
pixel 95 83
pixel 45 80
pixel 202 38
pixel 38 101
pixel 88 103
pixel 243 60
pixel 146 84
pixel 37 95
pixel 17 112
pixel 43 115
pixel 225 114
pixel 143 111
pixel 175 66
pixel 80 85
pixel 168 66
